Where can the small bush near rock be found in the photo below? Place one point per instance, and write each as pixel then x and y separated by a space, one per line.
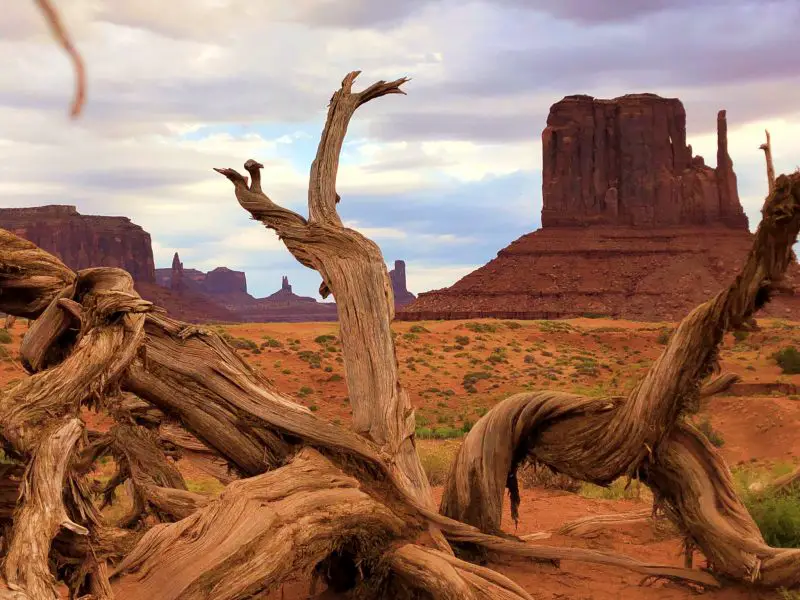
pixel 5 336
pixel 788 360
pixel 540 476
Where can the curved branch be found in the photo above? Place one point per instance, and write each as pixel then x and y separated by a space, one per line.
pixel 601 440
pixel 322 196
pixel 63 38
pixel 41 514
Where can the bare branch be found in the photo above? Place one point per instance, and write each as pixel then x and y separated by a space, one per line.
pixel 63 38
pixel 322 196
pixel 767 148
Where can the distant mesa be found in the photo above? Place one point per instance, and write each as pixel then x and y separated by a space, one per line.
pixel 221 280
pixel 634 225
pixel 83 241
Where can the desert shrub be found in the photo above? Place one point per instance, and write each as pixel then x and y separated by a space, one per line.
pixel 418 329
pixel 541 476
pixel 243 343
pixel 788 360
pixel 497 356
pixel 323 340
pixel 740 335
pixel 554 327
pixel 462 340
pixel 470 379
pixel 620 489
pixel 436 458
pixel 335 377
pixel 713 436
pixel 410 337
pixel 312 358
pixel 271 342
pixel 663 336
pixel 777 514
pixel 512 324
pixel 5 336
pixel 481 327
pixel 304 391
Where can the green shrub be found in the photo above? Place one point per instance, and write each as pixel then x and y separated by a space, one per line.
pixel 481 327
pixel 323 340
pixel 418 329
pixel 462 340
pixel 713 436
pixel 663 337
pixel 533 476
pixel 5 336
pixel 788 360
pixel 271 342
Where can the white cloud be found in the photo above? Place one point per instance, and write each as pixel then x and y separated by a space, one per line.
pixel 422 278
pixel 161 74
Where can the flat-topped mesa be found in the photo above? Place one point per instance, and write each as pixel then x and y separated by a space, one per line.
pixel 84 241
pixel 219 281
pixel 625 162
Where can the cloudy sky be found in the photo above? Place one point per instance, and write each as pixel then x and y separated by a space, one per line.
pixel 442 178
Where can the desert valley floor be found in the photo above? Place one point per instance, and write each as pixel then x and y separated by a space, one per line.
pixel 456 370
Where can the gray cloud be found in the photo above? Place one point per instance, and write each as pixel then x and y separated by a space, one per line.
pixel 595 11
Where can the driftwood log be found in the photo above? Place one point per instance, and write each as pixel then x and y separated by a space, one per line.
pixel 306 496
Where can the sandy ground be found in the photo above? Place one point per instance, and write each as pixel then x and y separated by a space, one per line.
pixel 438 361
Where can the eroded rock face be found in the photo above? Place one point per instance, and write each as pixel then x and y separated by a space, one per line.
pixel 626 162
pixel 633 225
pixel 84 241
pixel 397 276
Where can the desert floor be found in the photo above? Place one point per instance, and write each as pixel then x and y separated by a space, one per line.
pixel 456 370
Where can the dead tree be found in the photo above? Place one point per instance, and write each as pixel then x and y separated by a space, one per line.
pixel 308 494
pixel 767 148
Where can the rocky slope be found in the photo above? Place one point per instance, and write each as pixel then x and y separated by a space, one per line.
pixel 633 225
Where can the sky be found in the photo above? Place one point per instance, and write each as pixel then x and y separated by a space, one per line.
pixel 442 178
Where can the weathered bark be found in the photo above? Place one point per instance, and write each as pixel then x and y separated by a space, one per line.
pixel 353 269
pixel 601 440
pixel 41 513
pixel 767 148
pixel 296 516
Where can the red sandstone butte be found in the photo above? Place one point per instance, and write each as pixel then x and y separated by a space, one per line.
pixel 633 225
pixel 84 241
pixel 397 276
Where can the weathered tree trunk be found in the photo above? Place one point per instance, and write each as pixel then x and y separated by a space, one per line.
pixel 642 436
pixel 353 269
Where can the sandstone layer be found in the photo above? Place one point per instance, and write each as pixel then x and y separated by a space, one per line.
pixel 83 241
pixel 633 225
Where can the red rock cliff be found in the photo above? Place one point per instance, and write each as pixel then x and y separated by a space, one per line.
pixel 398 278
pixel 83 241
pixel 625 162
